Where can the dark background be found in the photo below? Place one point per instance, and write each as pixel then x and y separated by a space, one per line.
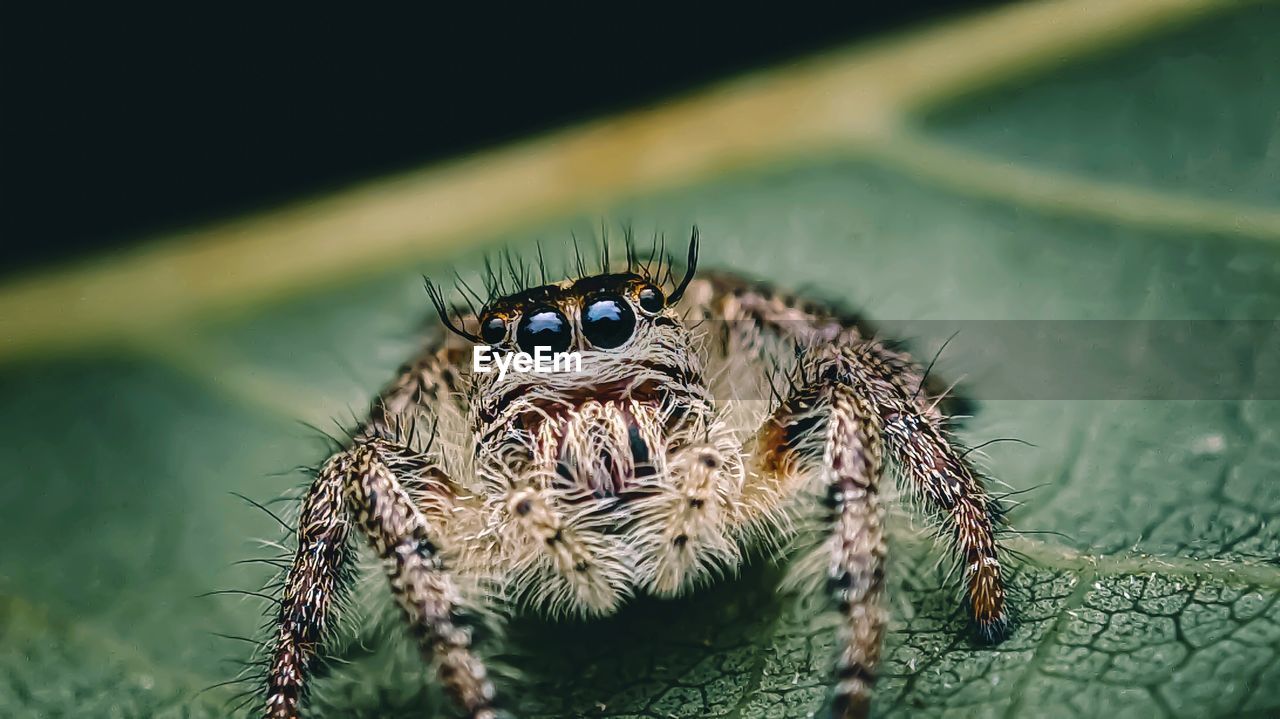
pixel 117 125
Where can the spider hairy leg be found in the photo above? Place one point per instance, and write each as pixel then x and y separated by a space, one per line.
pixel 951 487
pixel 832 437
pixel 399 533
pixel 937 474
pixel 365 486
pixel 914 422
pixel 310 592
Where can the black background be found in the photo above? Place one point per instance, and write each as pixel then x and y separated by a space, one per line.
pixel 119 124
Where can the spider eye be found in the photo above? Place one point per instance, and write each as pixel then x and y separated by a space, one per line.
pixel 607 321
pixel 651 299
pixel 543 327
pixel 494 330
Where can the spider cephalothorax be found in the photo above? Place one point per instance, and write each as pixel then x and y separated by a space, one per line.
pixel 599 452
pixel 647 469
pixel 606 420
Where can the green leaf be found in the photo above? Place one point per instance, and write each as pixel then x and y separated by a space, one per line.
pixel 1150 585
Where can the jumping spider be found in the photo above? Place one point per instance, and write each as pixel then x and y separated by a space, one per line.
pixel 571 492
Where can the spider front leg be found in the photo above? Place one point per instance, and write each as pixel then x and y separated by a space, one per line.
pixel 367 484
pixel 826 435
pixel 761 320
pixel 935 470
pixel 949 484
pixel 310 591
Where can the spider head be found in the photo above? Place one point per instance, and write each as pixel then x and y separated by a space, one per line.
pixel 607 315
pixel 585 380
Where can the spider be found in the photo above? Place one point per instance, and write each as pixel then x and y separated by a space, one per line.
pixel 570 492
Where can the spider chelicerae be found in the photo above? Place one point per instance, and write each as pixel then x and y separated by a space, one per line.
pixel 649 471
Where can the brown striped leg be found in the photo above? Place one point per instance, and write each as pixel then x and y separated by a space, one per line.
pixel 366 485
pixel 936 472
pixel 913 421
pixel 309 592
pixel 399 532
pixel 828 432
pixel 951 486
pixel 856 570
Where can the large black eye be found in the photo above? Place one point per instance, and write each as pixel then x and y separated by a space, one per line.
pixel 543 327
pixel 494 330
pixel 607 321
pixel 651 299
